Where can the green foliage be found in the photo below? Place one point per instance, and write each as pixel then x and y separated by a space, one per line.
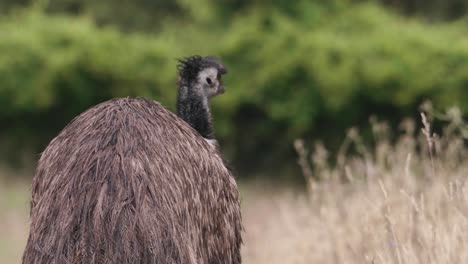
pixel 311 69
pixel 432 9
pixel 53 68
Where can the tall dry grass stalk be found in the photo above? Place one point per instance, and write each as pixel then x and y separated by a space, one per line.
pixel 402 202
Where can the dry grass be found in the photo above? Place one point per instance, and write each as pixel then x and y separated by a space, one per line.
pixel 401 202
pixel 14 202
pixel 405 202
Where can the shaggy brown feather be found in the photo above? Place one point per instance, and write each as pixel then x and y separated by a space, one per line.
pixel 127 181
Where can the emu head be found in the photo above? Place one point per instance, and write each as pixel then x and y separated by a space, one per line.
pixel 201 75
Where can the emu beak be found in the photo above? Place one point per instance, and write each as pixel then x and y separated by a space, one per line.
pixel 221 89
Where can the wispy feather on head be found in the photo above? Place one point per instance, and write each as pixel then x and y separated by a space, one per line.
pixel 189 67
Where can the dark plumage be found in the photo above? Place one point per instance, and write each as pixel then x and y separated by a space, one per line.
pixel 199 79
pixel 194 112
pixel 129 182
pixel 189 67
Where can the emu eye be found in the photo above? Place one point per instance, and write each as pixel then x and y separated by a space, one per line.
pixel 208 80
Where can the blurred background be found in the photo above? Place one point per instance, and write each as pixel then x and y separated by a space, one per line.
pixel 297 69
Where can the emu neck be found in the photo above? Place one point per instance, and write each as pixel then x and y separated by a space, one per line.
pixel 194 109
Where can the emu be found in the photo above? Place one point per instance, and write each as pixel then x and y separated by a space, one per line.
pixel 127 181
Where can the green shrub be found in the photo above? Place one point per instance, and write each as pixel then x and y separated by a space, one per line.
pixel 311 73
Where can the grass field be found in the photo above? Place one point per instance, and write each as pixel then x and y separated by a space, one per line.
pixel 399 202
pixel 14 205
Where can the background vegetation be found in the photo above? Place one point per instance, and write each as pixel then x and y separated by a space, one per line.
pixel 296 68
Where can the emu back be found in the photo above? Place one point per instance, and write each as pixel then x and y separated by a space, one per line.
pixel 129 182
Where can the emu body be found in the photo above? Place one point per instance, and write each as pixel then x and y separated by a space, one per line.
pixel 127 181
